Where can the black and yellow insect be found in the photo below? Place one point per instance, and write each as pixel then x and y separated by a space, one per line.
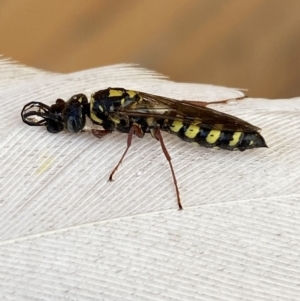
pixel 137 113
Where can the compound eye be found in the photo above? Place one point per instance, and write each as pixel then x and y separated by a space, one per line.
pixel 75 124
pixel 73 115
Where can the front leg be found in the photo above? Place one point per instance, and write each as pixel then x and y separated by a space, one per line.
pixel 207 103
pixel 100 133
pixel 134 130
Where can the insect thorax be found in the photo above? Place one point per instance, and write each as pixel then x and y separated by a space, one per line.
pixel 105 104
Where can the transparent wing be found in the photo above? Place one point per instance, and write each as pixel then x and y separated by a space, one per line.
pixel 187 111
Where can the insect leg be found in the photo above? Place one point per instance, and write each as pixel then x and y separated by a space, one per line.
pixel 100 133
pixel 135 129
pixel 206 103
pixel 157 135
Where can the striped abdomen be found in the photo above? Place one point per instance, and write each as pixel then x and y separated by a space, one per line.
pixel 229 140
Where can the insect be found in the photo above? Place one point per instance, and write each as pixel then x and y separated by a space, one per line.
pixel 137 113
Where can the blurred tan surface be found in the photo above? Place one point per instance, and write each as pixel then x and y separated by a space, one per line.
pixel 238 43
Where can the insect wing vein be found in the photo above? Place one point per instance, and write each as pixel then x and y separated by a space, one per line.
pixel 188 112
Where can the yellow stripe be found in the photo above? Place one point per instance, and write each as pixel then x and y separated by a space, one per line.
pixel 192 131
pixel 92 100
pixel 115 119
pixel 95 118
pixel 213 136
pixel 114 93
pixel 176 126
pixel 131 94
pixel 93 115
pixel 235 139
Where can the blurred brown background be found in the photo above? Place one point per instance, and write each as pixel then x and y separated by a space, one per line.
pixel 239 43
